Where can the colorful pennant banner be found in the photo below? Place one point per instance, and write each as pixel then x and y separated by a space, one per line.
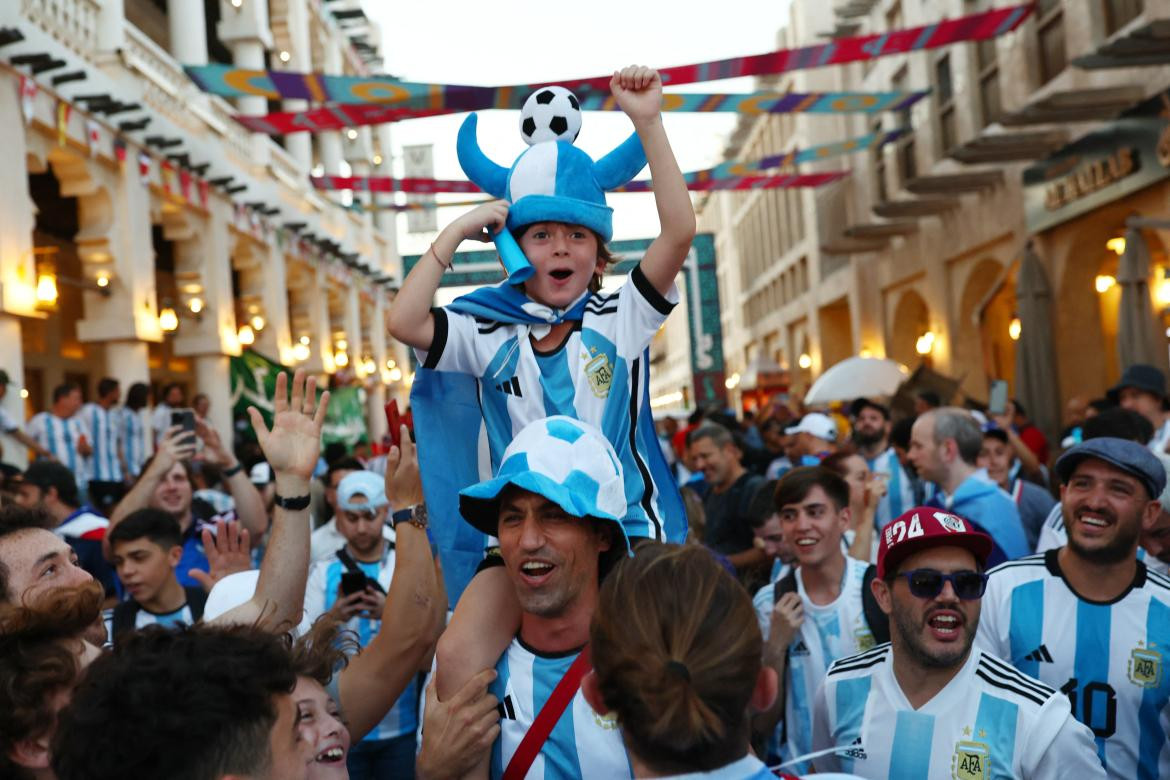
pixel 318 88
pixel 338 117
pixel 780 181
pixel 723 176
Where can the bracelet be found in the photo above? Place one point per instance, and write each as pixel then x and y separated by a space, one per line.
pixel 445 266
pixel 236 469
pixel 293 504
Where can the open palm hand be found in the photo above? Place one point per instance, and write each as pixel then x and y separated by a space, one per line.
pixel 293 445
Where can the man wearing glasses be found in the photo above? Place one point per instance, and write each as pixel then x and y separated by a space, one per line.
pixel 927 705
pixel 1089 618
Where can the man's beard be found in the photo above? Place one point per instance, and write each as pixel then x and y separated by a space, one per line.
pixel 863 439
pixel 1116 551
pixel 911 630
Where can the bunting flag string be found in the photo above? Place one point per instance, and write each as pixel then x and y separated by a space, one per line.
pixel 338 117
pixel 228 81
pixel 723 176
pixel 785 181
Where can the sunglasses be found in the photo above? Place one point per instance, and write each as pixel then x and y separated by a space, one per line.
pixel 928 583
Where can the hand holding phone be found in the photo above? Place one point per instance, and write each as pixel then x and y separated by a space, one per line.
pixel 352 582
pixel 997 404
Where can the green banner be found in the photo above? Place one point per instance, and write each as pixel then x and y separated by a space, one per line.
pixel 254 384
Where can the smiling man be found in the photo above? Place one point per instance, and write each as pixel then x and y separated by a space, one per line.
pixel 817 613
pixel 1091 619
pixel 928 705
pixel 556 506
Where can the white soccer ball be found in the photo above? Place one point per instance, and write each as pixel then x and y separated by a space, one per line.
pixel 550 114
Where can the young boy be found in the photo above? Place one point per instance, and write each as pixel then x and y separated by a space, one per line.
pixel 553 345
pixel 818 612
pixel 146 548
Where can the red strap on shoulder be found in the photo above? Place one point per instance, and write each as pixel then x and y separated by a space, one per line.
pixel 547 718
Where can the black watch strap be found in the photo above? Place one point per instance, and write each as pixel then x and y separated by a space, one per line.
pixel 236 469
pixel 293 504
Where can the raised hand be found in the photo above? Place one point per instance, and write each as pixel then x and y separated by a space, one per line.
pixel 403 484
pixel 293 445
pixel 212 444
pixel 229 550
pixel 174 447
pixel 638 91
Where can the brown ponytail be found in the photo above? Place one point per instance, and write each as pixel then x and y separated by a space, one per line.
pixel 677 651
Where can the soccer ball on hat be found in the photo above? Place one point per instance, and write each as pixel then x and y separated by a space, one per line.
pixel 550 114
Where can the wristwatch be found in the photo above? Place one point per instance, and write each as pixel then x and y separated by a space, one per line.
pixel 414 515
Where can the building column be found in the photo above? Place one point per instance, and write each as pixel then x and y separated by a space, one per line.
pixel 12 358
pixel 188 31
pixel 128 362
pixel 321 330
pixel 377 381
pixel 352 323
pixel 17 270
pixel 111 25
pixel 299 145
pixel 205 259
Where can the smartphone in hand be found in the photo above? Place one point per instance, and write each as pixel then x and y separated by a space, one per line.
pixel 352 582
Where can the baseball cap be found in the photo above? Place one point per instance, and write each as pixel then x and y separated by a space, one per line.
pixel 865 403
pixel 362 483
pixel 924 527
pixel 1128 456
pixel 567 461
pixel 816 424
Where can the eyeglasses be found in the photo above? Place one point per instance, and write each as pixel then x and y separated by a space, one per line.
pixel 928 583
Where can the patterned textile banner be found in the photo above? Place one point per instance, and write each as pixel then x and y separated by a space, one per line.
pixel 698 181
pixel 337 117
pixel 731 175
pixel 235 82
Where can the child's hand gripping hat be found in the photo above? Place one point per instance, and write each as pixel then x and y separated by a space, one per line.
pixel 552 181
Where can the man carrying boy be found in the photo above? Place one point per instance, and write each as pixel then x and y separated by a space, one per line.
pixel 146 547
pixel 826 587
pixel 351 586
pixel 555 506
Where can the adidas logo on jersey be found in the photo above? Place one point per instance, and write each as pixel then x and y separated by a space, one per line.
pixel 857 753
pixel 511 387
pixel 800 648
pixel 1040 654
pixel 506 709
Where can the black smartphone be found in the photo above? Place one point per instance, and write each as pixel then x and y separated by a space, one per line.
pixel 352 582
pixel 185 419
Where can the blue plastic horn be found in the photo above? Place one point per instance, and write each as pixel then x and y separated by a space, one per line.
pixel 512 256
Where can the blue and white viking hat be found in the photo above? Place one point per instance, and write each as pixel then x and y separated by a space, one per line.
pixel 553 181
pixel 567 461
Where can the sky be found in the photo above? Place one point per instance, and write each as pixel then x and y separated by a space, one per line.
pixel 518 41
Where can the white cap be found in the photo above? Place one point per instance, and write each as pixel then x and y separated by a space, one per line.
pixel 815 424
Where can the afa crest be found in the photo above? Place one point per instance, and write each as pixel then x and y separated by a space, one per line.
pixel 599 371
pixel 971 761
pixel 865 640
pixel 608 721
pixel 1145 667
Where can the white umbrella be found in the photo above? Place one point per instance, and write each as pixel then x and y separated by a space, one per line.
pixel 856 377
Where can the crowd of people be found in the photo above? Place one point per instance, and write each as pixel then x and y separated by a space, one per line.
pixel 939 592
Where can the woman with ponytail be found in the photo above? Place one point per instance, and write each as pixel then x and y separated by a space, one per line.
pixel 681 672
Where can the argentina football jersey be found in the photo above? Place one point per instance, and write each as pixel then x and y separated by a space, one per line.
pixel 598 375
pixel 989 721
pixel 103 464
pixel 1108 659
pixel 582 744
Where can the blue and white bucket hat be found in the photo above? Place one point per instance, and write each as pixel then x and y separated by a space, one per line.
pixel 567 461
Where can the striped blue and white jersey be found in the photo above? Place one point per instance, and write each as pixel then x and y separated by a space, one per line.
pixel 104 436
pixel 829 632
pixel 1108 659
pixel 137 445
pixel 60 438
pixel 899 488
pixel 597 376
pixel 322 591
pixel 989 721
pixel 582 744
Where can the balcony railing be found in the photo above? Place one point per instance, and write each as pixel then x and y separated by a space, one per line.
pixel 72 22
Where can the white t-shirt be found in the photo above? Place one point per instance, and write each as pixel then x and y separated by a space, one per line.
pixel 989 721
pixel 829 632
pixel 1108 659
